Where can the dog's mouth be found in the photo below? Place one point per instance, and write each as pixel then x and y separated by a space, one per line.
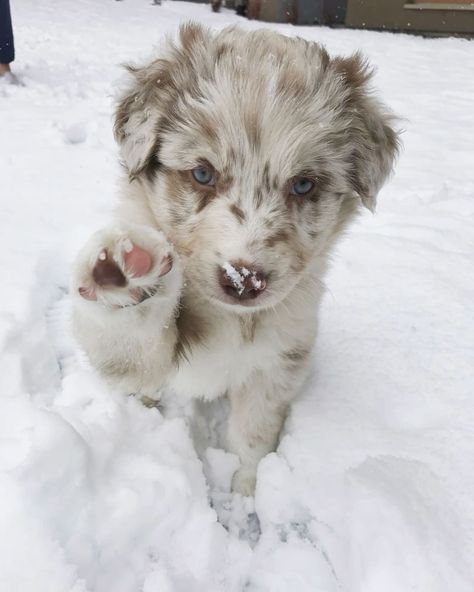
pixel 223 300
pixel 251 302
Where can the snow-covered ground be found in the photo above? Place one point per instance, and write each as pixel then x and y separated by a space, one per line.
pixel 371 489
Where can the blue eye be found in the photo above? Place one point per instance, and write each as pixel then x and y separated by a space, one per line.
pixel 203 175
pixel 301 186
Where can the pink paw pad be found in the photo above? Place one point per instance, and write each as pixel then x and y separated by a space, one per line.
pixel 137 261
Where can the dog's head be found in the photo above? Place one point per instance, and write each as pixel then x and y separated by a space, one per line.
pixel 254 151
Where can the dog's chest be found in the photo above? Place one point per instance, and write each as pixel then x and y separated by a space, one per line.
pixel 232 349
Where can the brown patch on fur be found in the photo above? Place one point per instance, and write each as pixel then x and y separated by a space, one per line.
pixel 293 358
pixel 291 82
pixel 167 123
pixel 190 34
pixel 191 331
pixel 248 326
pixel 238 213
pixel 205 193
pixel 258 197
pixel 356 165
pixel 323 183
pixel 324 59
pixel 152 163
pixel 354 70
pixel 122 115
pixel 231 155
pixel 224 182
pixel 204 199
pixel 206 127
pixel 379 143
pixel 222 50
pixel 266 176
pixel 279 236
pixel 252 127
pixel 176 214
pixel 176 181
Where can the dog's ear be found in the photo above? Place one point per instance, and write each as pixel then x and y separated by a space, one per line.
pixel 375 142
pixel 138 113
pixel 154 91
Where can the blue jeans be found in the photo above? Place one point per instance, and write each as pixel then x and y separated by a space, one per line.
pixel 7 49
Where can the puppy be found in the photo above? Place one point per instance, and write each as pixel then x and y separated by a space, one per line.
pixel 246 155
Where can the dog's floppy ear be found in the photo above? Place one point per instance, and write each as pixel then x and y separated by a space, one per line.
pixel 138 113
pixel 154 90
pixel 375 142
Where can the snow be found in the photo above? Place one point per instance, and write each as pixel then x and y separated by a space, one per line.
pixel 238 277
pixel 235 276
pixel 371 486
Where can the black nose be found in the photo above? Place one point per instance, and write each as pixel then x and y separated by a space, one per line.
pixel 242 281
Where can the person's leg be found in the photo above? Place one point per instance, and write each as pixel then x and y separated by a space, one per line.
pixel 7 49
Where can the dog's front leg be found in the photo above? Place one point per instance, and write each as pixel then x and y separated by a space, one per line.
pixel 258 410
pixel 126 287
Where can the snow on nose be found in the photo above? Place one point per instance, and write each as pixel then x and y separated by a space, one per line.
pixel 241 280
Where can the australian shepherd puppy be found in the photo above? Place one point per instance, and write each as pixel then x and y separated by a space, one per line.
pixel 246 155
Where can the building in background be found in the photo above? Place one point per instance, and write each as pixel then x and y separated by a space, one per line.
pixel 298 12
pixel 438 17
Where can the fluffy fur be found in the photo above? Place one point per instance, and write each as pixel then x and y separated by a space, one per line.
pixel 258 109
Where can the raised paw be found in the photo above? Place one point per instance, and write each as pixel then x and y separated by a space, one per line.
pixel 119 268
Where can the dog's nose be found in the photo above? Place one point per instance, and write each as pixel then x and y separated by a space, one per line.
pixel 242 281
